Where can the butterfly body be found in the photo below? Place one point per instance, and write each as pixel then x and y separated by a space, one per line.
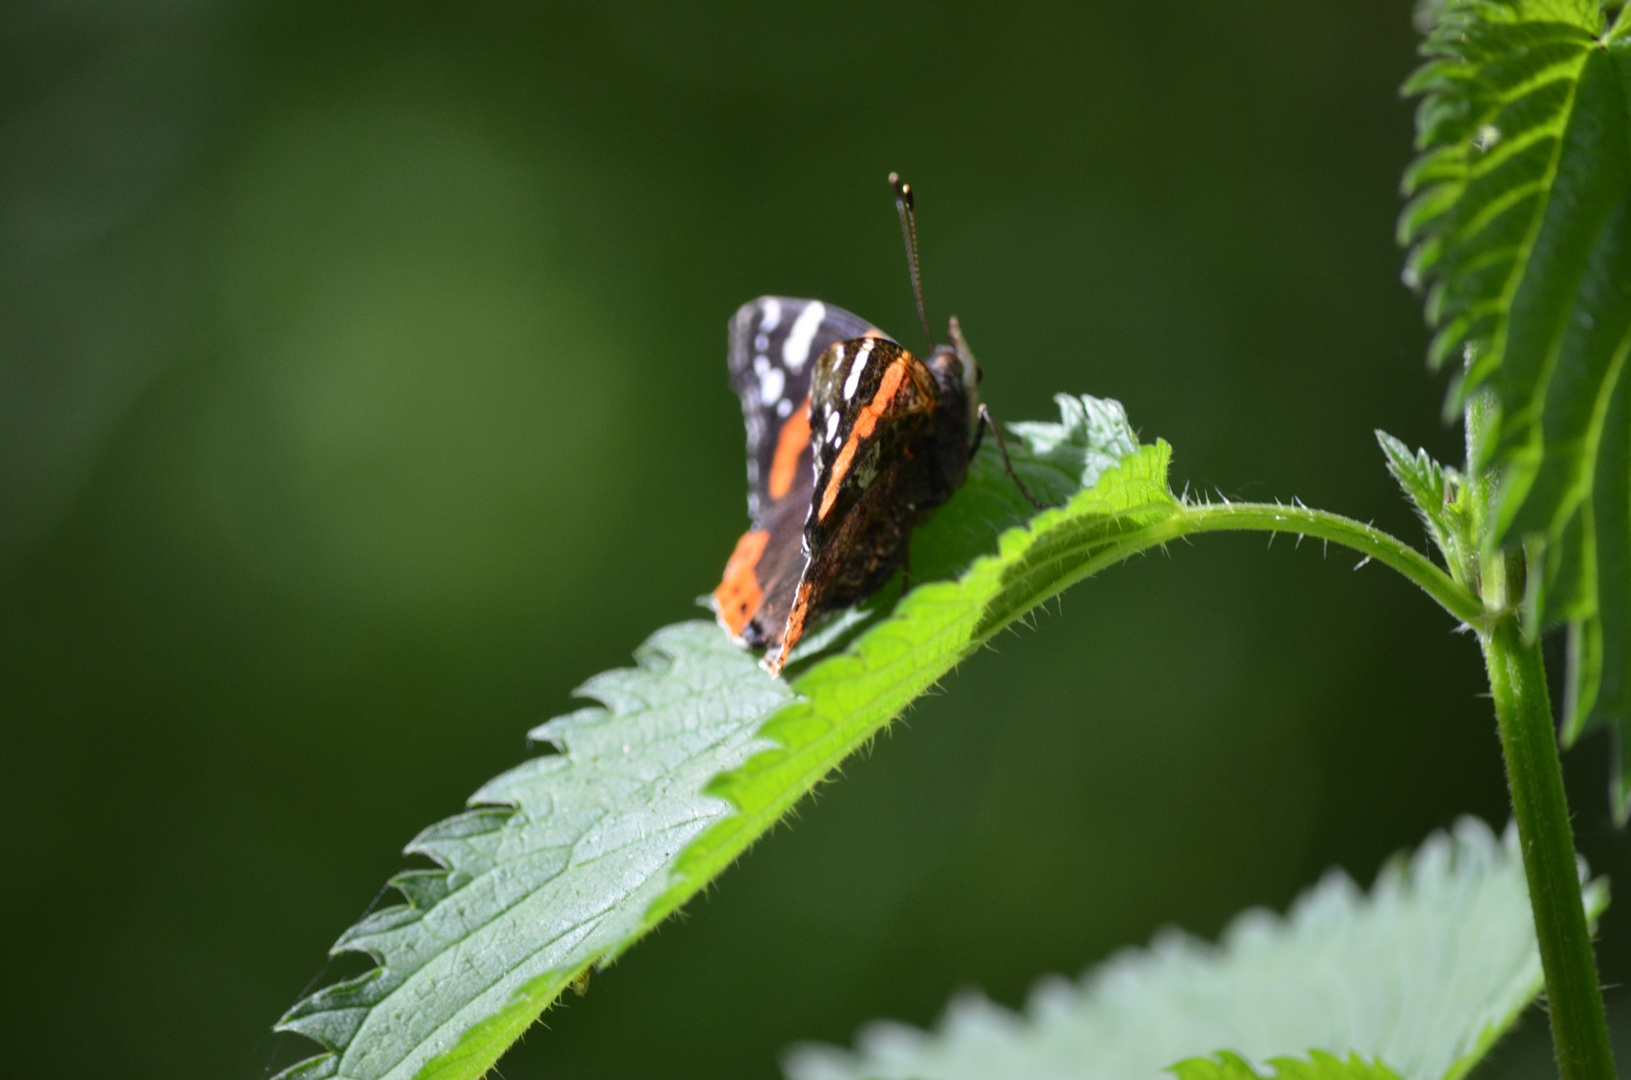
pixel 852 440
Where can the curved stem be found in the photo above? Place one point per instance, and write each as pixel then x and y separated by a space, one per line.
pixel 1365 539
pixel 1523 712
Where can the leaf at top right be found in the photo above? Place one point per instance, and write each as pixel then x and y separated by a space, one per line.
pixel 1520 232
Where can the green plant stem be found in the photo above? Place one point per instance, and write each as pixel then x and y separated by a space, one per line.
pixel 1517 678
pixel 1523 712
pixel 1365 539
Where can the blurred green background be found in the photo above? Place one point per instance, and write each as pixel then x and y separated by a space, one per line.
pixel 362 391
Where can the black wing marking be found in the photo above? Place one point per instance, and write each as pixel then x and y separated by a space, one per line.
pixel 775 342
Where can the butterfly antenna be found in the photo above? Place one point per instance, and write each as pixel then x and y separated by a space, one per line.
pixel 908 229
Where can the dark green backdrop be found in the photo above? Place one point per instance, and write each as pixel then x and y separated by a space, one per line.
pixel 362 391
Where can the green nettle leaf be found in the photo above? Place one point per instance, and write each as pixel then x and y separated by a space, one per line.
pixel 564 862
pixel 554 865
pixel 1417 979
pixel 1520 229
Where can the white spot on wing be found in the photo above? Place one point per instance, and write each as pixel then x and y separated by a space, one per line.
pixel 832 425
pixel 856 368
pixel 797 349
pixel 771 384
pixel 772 315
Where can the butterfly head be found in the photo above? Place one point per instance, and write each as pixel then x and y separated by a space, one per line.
pixel 954 366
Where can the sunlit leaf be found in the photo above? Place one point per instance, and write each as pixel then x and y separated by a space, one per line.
pixel 567 860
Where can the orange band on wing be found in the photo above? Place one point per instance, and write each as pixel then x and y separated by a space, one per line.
pixel 739 596
pixel 871 413
pixel 793 631
pixel 794 437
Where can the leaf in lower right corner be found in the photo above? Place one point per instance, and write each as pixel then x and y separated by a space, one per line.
pixel 1318 1066
pixel 1520 231
pixel 1421 975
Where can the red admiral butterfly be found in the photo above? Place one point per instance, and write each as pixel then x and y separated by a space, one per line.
pixel 851 441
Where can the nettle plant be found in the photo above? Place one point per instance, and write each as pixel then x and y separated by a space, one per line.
pixel 1519 230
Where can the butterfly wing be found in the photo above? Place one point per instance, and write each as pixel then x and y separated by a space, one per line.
pixel 870 398
pixel 775 343
pixel 872 427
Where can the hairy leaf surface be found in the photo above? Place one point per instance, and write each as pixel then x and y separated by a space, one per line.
pixel 1416 979
pixel 565 861
pixel 1520 229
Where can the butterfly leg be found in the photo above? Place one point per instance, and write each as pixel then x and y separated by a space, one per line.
pixel 1002 446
